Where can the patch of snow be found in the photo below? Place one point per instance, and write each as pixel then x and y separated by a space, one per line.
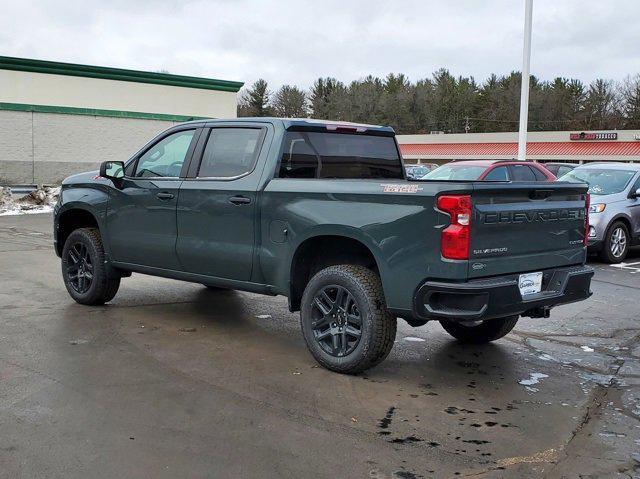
pixel 546 357
pixel 263 316
pixel 31 211
pixel 38 201
pixel 586 349
pixel 533 379
pixel 414 339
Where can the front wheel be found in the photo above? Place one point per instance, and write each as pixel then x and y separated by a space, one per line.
pixel 344 319
pixel 84 270
pixel 479 332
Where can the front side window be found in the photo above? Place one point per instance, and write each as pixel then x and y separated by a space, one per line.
pixel 230 152
pixel 601 181
pixel 165 158
pixel 339 155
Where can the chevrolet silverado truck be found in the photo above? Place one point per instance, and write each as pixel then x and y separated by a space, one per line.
pixel 322 213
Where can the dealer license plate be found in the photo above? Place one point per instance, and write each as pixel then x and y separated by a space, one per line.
pixel 530 283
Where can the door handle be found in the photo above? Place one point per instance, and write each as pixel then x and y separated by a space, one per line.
pixel 164 196
pixel 239 200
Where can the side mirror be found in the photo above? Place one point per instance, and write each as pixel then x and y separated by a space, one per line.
pixel 113 170
pixel 635 194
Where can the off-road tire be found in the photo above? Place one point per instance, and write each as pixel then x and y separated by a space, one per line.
pixel 488 330
pixel 378 326
pixel 102 288
pixel 606 254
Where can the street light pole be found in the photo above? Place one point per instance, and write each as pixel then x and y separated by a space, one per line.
pixel 524 88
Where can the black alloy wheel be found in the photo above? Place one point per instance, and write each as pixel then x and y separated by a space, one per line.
pixel 336 321
pixel 84 268
pixel 344 318
pixel 79 268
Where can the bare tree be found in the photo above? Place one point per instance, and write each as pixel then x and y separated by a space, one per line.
pixel 630 101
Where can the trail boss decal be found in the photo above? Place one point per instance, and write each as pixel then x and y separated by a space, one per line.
pixel 399 188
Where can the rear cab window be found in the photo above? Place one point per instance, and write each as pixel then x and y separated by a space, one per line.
pixel 312 154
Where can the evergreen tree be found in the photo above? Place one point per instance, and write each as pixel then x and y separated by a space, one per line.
pixel 255 100
pixel 290 102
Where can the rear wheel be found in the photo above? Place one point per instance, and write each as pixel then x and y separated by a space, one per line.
pixel 344 319
pixel 84 270
pixel 616 243
pixel 479 332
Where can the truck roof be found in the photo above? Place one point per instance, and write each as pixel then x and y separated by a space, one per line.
pixel 305 123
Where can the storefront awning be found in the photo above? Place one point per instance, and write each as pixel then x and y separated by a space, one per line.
pixel 554 149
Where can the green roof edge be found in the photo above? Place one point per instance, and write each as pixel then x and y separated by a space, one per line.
pixel 121 74
pixel 68 110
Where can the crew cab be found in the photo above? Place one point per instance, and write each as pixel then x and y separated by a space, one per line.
pixel 322 213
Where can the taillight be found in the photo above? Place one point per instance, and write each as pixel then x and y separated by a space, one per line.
pixel 456 238
pixel 586 219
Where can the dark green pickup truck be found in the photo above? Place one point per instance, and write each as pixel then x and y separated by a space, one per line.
pixel 322 213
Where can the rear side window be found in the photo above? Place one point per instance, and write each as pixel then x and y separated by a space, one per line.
pixel 522 173
pixel 563 170
pixel 339 155
pixel 230 152
pixel 497 174
pixel 540 176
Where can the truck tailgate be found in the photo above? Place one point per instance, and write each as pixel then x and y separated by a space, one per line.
pixel 519 227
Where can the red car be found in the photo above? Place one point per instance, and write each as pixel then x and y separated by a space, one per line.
pixel 491 170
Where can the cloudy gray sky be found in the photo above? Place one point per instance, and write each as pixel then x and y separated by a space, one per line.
pixel 296 41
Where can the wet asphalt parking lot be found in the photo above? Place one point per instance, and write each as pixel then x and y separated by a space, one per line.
pixel 173 380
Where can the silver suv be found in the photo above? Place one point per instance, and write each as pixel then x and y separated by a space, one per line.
pixel 614 214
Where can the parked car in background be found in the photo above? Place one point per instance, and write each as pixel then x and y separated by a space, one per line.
pixel 418 171
pixel 614 213
pixel 559 169
pixel 491 170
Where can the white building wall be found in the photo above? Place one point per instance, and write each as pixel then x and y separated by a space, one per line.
pixel 45 148
pixel 96 93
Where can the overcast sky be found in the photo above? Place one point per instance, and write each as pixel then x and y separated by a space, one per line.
pixel 296 41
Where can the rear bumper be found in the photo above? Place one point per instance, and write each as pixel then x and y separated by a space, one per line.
pixel 499 296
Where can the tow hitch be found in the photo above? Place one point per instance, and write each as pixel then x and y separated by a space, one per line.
pixel 541 312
